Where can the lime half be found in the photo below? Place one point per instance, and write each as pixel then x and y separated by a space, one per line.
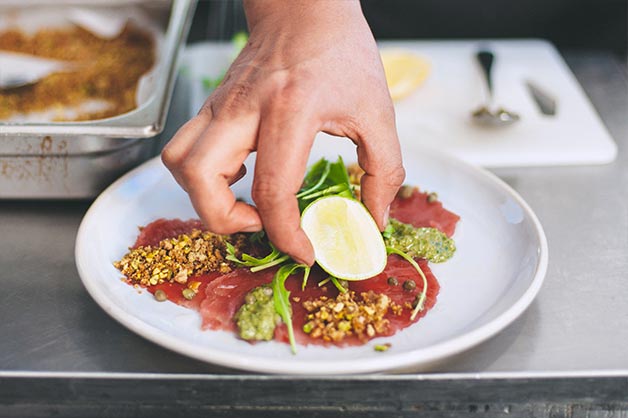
pixel 347 243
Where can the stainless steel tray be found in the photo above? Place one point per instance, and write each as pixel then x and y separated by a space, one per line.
pixel 79 159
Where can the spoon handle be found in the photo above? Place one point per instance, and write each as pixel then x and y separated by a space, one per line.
pixel 486 62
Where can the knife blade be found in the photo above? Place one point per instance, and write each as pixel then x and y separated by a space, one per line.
pixel 545 102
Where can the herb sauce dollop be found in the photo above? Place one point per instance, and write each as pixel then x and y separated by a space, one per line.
pixel 428 243
pixel 256 319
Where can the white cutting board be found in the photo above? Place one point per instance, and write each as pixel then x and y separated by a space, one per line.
pixel 437 114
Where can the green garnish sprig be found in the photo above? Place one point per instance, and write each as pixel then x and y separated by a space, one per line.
pixel 281 297
pixel 325 178
pixel 421 302
pixel 275 258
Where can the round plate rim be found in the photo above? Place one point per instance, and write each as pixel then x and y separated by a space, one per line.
pixel 394 361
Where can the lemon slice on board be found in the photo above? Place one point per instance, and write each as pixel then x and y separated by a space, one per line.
pixel 347 243
pixel 405 72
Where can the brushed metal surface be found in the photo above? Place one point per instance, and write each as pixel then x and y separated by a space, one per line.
pixel 578 326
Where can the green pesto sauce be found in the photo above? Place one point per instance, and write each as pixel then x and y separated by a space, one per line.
pixel 256 318
pixel 428 243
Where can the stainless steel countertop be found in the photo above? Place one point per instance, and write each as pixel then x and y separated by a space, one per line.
pixel 578 325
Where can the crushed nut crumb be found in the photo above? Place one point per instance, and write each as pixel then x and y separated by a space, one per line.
pixel 333 319
pixel 177 259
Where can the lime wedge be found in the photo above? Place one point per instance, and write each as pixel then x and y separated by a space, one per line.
pixel 347 243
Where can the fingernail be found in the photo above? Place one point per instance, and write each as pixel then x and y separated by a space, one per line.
pixel 386 215
pixel 252 228
pixel 301 261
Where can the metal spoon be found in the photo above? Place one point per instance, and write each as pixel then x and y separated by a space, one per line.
pixel 485 115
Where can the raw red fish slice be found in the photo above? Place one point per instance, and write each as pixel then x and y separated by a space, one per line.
pixel 220 296
pixel 161 229
pixel 174 291
pixel 417 211
pixel 396 267
pixel 225 295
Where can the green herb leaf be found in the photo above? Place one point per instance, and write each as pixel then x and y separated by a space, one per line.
pixel 388 231
pixel 323 179
pixel 336 283
pixel 306 274
pixel 281 297
pixel 276 257
pixel 317 175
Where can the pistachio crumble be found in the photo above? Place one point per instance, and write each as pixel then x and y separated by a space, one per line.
pixel 333 319
pixel 176 259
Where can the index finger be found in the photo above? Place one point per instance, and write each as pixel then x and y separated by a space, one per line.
pixel 379 155
pixel 284 144
pixel 213 163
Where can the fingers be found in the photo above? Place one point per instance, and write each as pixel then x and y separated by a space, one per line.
pixel 211 164
pixel 238 176
pixel 284 144
pixel 379 155
pixel 177 149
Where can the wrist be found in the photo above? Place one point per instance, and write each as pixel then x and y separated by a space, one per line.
pixel 281 14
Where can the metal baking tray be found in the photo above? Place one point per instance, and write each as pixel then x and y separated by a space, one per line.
pixel 79 159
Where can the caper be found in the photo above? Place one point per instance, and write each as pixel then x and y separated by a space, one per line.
pixel 392 281
pixel 160 295
pixel 249 299
pixel 405 192
pixel 409 285
pixel 188 293
pixel 432 197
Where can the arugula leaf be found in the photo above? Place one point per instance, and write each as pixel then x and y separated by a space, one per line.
pixel 323 179
pixel 281 297
pixel 336 283
pixel 315 177
pixel 338 173
pixel 306 274
pixel 274 258
pixel 420 304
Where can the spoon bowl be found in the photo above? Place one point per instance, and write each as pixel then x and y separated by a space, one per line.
pixel 485 115
pixel 499 117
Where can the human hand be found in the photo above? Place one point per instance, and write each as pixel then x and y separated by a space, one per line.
pixel 309 66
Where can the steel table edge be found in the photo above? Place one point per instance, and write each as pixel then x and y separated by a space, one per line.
pixel 533 375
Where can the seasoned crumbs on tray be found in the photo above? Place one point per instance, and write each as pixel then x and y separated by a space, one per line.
pixel 98 69
pixel 176 259
pixel 333 319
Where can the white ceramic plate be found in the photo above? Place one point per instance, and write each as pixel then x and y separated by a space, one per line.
pixel 495 274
